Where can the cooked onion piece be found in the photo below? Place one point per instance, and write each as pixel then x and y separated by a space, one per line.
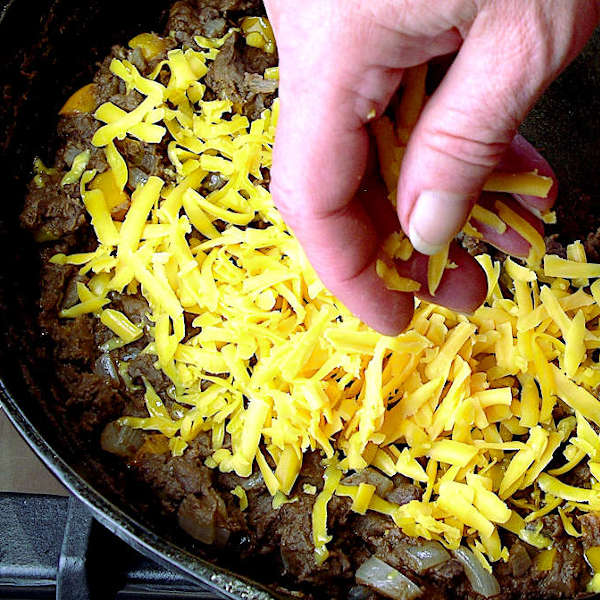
pixel 121 440
pixel 481 581
pixel 386 580
pixel 426 555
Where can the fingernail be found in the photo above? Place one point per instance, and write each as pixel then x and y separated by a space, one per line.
pixel 436 219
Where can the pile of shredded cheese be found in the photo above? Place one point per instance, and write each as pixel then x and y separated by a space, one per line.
pixel 461 405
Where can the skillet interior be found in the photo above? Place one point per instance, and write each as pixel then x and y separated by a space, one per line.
pixel 47 50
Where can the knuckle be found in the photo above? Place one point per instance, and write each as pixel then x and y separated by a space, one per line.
pixel 285 201
pixel 303 206
pixel 481 148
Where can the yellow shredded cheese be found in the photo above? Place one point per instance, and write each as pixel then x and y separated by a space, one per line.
pixel 240 493
pixel 411 101
pixel 394 281
pixel 525 229
pixel 78 166
pixel 487 217
pixel 519 183
pixel 436 266
pixel 461 405
pixel 321 538
pixel 121 325
pixel 555 266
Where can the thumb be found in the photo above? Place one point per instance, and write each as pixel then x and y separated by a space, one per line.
pixel 503 66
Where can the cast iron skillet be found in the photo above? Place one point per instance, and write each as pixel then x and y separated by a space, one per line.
pixel 47 50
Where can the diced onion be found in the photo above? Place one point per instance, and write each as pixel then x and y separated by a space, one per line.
pixel 426 555
pixel 481 581
pixel 121 440
pixel 105 367
pixel 259 85
pixel 203 531
pixel 386 580
pixel 383 484
pixel 137 177
pixel 252 482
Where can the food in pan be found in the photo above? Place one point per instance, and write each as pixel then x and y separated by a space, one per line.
pixel 193 340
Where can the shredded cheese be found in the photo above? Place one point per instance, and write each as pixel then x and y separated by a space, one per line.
pixel 240 493
pixel 332 478
pixel 462 406
pixel 435 269
pixel 531 184
pixel 77 168
pixel 555 266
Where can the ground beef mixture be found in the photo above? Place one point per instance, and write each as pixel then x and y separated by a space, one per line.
pixel 98 388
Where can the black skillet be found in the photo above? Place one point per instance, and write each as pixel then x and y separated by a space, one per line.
pixel 47 50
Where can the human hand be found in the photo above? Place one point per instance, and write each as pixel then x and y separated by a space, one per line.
pixel 340 60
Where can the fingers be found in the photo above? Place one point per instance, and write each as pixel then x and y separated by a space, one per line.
pixel 522 157
pixel 340 62
pixel 508 241
pixel 319 161
pixel 343 247
pixel 463 288
pixel 466 127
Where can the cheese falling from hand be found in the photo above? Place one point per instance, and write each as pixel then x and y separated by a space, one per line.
pixel 461 405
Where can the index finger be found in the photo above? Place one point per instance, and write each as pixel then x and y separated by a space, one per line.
pixel 317 169
pixel 319 161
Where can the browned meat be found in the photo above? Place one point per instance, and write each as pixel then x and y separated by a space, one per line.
pixel 590 524
pixel 127 101
pixel 519 559
pixel 227 76
pixel 554 246
pixel 360 592
pixel 91 401
pixel 75 339
pixel 144 160
pixel 253 7
pixel 135 307
pixel 404 491
pixel 50 212
pixel 188 19
pixel 569 570
pixel 156 471
pixel 383 485
pixel 388 543
pixel 262 518
pixel 54 279
pixel 142 366
pixel 580 476
pixel 592 246
pixel 293 528
pixel 312 471
pixel 77 130
pixel 568 575
pixel 472 245
pixel 192 475
pixel 107 85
